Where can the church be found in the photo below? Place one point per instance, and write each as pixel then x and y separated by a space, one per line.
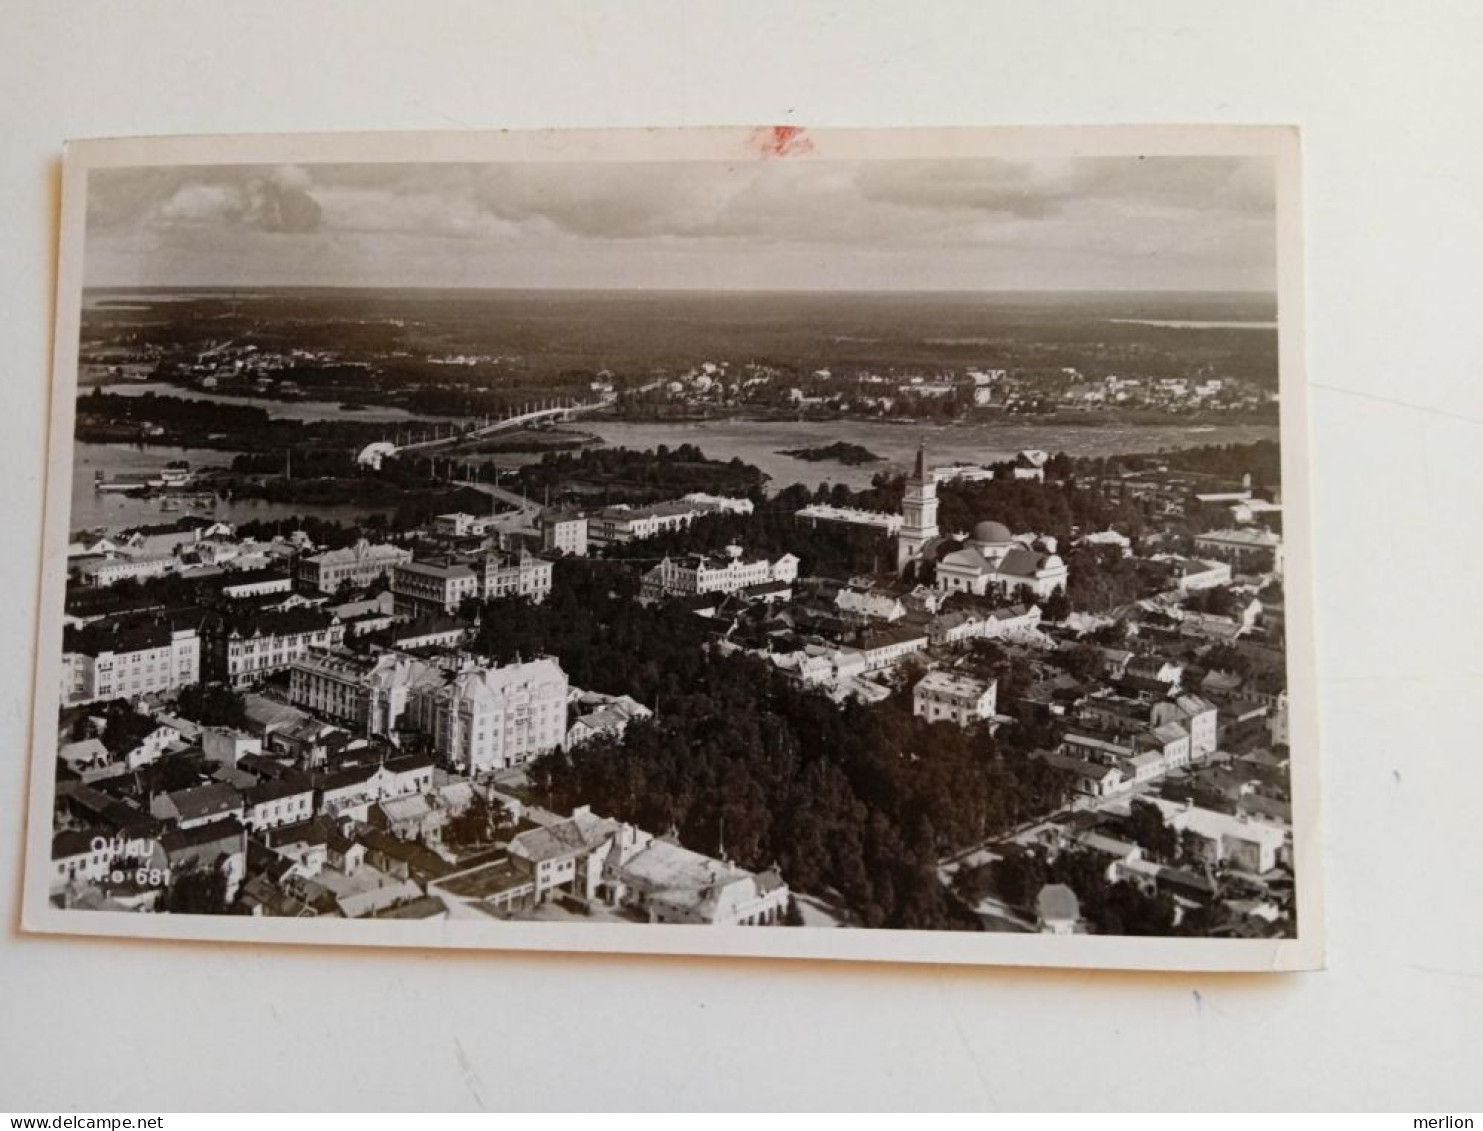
pixel 989 559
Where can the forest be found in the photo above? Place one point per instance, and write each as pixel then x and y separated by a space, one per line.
pixel 853 803
pixel 625 475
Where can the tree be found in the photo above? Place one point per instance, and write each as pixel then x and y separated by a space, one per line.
pixel 212 704
pixel 482 823
pixel 197 890
pixel 1020 875
pixel 973 883
pixel 1057 605
pixel 1147 827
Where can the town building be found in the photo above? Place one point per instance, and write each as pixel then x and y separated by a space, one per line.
pixel 255 583
pixel 485 718
pixel 1199 716
pixel 1248 549
pixel 719 504
pixel 1253 846
pixel 816 513
pixel 716 573
pixel 425 588
pixel 1091 780
pixel 959 699
pixel 962 473
pixel 103 572
pixel 354 566
pixel 243 648
pixel 349 791
pixel 886 647
pixel 992 560
pixel 1030 464
pixel 462 525
pixel 597 860
pixel 428 632
pixel 127 659
pixel 366 694
pixel 438 586
pixel 622 523
pixel 217 846
pixel 672 884
pixel 603 715
pixel 563 531
pixel 80 856
pixel 520 574
pixel 169 539
pixel 197 805
pixel 1194 575
pixel 870 603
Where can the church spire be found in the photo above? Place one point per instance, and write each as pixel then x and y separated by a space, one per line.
pixel 921 470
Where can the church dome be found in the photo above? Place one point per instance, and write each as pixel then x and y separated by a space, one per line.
pixel 993 533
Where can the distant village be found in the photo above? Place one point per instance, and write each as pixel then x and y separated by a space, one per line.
pixel 270 726
pixel 242 368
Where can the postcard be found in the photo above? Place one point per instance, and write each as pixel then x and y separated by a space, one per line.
pixel 838 544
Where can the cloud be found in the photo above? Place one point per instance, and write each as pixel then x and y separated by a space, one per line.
pixel 278 204
pixel 994 186
pixel 773 223
pixel 268 200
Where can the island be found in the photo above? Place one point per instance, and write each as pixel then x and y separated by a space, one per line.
pixel 852 455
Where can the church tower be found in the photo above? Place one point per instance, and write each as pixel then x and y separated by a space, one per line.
pixel 918 512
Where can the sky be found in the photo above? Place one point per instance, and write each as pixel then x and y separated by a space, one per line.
pixel 1095 223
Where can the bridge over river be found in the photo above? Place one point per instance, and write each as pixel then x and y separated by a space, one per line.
pixel 462 434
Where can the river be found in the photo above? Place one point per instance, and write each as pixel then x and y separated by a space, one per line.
pixel 306 411
pixel 114 510
pixel 761 442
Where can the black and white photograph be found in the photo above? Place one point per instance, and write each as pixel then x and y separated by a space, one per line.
pixel 840 544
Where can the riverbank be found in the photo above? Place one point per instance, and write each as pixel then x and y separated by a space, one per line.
pixel 760 443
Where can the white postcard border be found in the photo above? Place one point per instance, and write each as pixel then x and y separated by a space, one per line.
pixel 730 144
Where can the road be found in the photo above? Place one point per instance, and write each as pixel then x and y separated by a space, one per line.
pixel 522 518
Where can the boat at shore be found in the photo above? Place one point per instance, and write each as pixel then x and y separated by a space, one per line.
pixel 173 476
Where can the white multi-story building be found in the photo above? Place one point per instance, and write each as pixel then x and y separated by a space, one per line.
pixel 243 649
pixel 1248 549
pixel 110 571
pixel 480 717
pixel 169 539
pixel 628 524
pixel 440 586
pixel 1199 716
pixel 515 575
pixel 565 532
pixel 420 588
pixel 716 573
pixel 490 718
pixel 369 694
pixel 958 699
pixel 255 583
pixel 114 661
pixel 1030 464
pixel 852 516
pixel 461 525
pixel 358 565
pixel 723 504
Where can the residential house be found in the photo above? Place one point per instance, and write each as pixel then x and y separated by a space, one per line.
pixel 959 699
